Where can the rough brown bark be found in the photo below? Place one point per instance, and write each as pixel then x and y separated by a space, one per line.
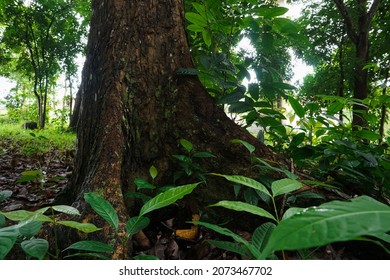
pixel 134 109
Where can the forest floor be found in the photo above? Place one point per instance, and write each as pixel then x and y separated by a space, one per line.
pixel 35 176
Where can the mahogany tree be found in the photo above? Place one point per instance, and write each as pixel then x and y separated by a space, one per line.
pixel 135 108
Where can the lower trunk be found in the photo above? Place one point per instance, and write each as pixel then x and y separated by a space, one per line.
pixel 134 109
pixel 361 82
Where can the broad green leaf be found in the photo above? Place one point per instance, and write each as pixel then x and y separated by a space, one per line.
pixel 248 146
pixel 66 209
pixel 283 86
pixel 284 186
pixel 298 109
pixel 5 194
pixel 246 182
pixel 36 248
pixel 206 37
pixel 369 135
pixel 167 198
pixel 2 221
pixel 285 26
pixel 246 207
pixel 136 224
pixel 201 9
pixel 241 107
pixel 7 241
pixel 84 227
pixel 186 145
pixel 203 155
pixel 20 215
pixel 103 208
pixel 196 19
pixel 261 235
pixel 286 172
pixel 228 232
pixel 231 247
pixel 270 12
pixel 195 28
pixel 291 212
pixel 334 107
pixel 297 139
pixel 93 246
pixel 223 231
pixel 330 222
pixel 143 184
pixel 30 229
pixel 153 172
pixel 383 236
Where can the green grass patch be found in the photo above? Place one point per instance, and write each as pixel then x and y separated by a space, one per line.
pixel 32 141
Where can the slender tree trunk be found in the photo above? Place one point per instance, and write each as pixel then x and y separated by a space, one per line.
pixel 134 109
pixel 342 74
pixel 384 109
pixel 358 33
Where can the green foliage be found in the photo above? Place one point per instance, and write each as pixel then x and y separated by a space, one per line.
pixel 103 208
pixel 189 162
pixel 40 39
pixel 330 222
pixel 29 224
pixel 304 228
pixel 135 224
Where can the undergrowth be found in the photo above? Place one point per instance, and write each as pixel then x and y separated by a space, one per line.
pixel 35 140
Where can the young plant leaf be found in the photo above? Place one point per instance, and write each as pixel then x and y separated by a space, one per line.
pixel 84 227
pixel 298 109
pixel 246 182
pixel 246 207
pixel 92 246
pixel 103 208
pixel 227 232
pixel 186 145
pixel 167 198
pixel 5 194
pixel 30 229
pixel 291 212
pixel 330 222
pixel 284 186
pixel 36 248
pixel 203 155
pixel 20 215
pixel 248 146
pixel 66 209
pixel 2 221
pixel 143 184
pixel 136 224
pixel 153 172
pixel 231 247
pixel 7 241
pixel 261 235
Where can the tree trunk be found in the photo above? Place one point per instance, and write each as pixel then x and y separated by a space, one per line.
pixel 359 35
pixel 134 109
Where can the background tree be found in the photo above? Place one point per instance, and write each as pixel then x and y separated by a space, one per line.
pixel 39 35
pixel 354 20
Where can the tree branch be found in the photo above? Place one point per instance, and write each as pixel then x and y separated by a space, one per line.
pixel 352 34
